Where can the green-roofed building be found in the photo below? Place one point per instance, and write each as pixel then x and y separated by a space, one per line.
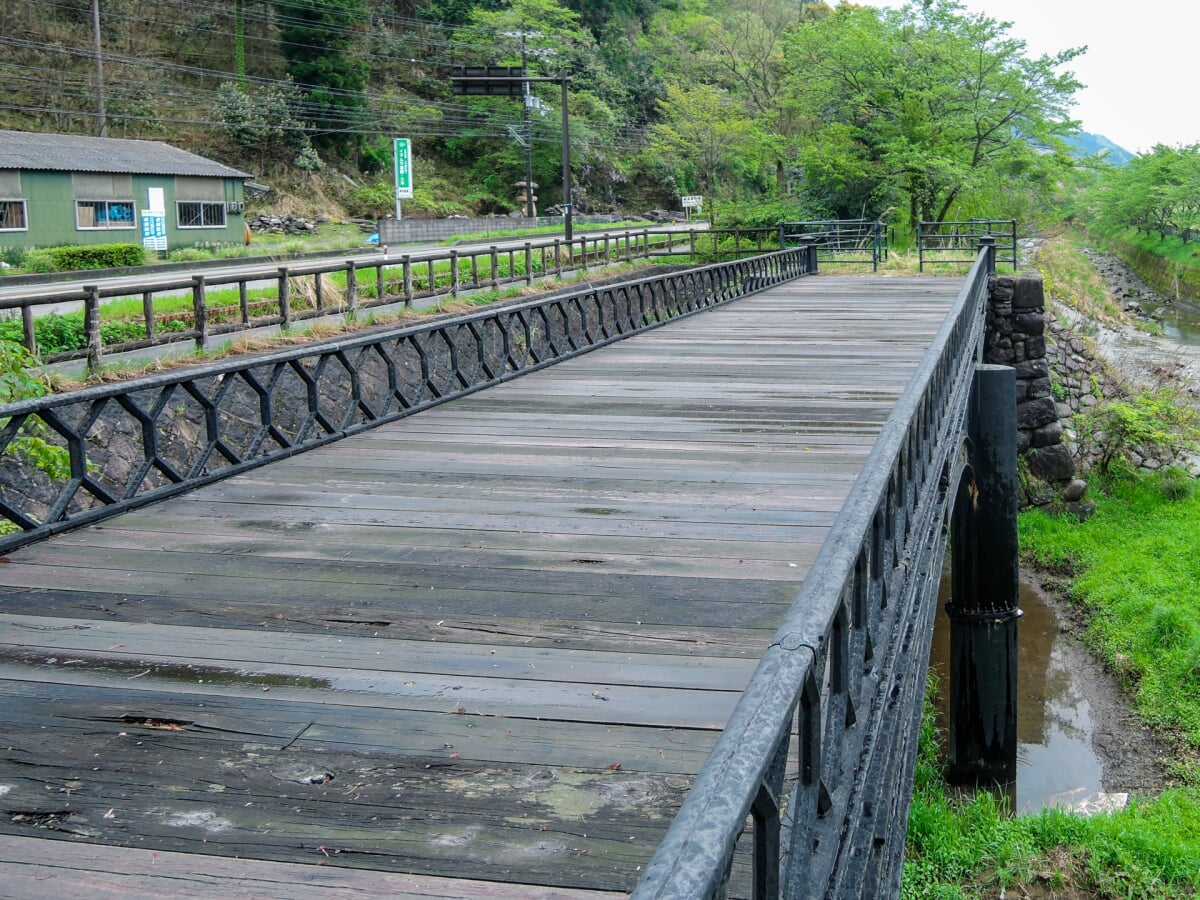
pixel 62 189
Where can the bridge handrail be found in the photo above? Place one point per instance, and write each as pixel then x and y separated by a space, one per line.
pixel 866 602
pixel 839 240
pixel 401 279
pixel 942 240
pixel 199 424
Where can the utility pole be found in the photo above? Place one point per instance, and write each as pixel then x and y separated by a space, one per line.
pixel 530 211
pixel 99 69
pixel 505 81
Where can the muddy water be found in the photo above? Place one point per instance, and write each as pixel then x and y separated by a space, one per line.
pixel 1180 320
pixel 1056 763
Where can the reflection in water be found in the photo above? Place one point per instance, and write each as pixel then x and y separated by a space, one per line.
pixel 1055 761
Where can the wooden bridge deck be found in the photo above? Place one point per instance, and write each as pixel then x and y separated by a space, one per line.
pixel 489 643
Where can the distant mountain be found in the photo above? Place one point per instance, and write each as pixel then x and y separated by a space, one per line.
pixel 1086 144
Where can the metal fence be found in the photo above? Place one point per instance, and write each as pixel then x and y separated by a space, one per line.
pixel 839 240
pixel 959 242
pixel 818 755
pixel 288 295
pixel 70 459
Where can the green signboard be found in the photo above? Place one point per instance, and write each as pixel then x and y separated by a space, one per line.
pixel 402 148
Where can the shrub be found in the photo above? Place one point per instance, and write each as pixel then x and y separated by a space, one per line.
pixel 92 256
pixel 1156 420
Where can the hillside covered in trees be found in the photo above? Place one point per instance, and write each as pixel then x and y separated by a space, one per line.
pixel 789 107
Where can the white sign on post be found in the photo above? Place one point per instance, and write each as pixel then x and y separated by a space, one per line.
pixel 402 155
pixel 692 201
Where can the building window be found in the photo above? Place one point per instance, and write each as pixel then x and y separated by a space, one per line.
pixel 198 214
pixel 104 214
pixel 12 216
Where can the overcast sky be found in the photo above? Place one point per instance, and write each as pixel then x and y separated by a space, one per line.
pixel 1141 69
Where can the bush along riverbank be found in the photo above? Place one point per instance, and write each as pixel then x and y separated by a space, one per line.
pixel 1126 568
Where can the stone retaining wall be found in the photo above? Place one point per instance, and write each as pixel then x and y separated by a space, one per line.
pixel 1016 336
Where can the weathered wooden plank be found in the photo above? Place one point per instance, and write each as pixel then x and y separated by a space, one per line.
pixel 77 869
pixel 775 561
pixel 38 715
pixel 724 639
pixel 320 653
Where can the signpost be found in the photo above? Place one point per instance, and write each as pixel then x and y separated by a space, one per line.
pixel 402 155
pixel 690 202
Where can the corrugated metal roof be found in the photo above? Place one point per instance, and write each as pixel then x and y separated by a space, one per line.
pixel 81 153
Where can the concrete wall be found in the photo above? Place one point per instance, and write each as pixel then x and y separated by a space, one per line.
pixel 404 231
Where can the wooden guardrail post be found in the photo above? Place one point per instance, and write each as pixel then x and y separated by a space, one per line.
pixel 147 313
pixel 91 325
pixel 406 264
pixel 454 273
pixel 983 611
pixel 199 311
pixel 607 252
pixel 558 258
pixel 244 302
pixel 380 288
pixel 528 263
pixel 495 262
pixel 29 332
pixel 285 298
pixel 352 287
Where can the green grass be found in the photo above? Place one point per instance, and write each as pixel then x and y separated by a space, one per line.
pixel 1070 277
pixel 1170 247
pixel 1136 569
pixel 970 846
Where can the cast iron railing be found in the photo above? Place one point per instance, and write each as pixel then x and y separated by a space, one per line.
pixel 70 459
pixel 819 752
pixel 839 240
pixel 959 242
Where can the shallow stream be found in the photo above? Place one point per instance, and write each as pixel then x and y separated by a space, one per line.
pixel 1057 764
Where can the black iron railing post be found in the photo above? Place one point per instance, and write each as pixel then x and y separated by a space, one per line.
pixel 983 611
pixel 809 242
pixel 987 244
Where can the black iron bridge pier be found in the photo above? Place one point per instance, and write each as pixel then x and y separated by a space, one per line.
pixel 623 590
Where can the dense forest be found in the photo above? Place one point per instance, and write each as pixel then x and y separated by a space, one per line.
pixel 766 107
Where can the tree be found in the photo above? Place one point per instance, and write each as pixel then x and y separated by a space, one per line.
pixel 926 100
pixel 1158 191
pixel 707 129
pixel 317 38
pixel 262 120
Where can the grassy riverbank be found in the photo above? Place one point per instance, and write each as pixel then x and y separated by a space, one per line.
pixel 1133 569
